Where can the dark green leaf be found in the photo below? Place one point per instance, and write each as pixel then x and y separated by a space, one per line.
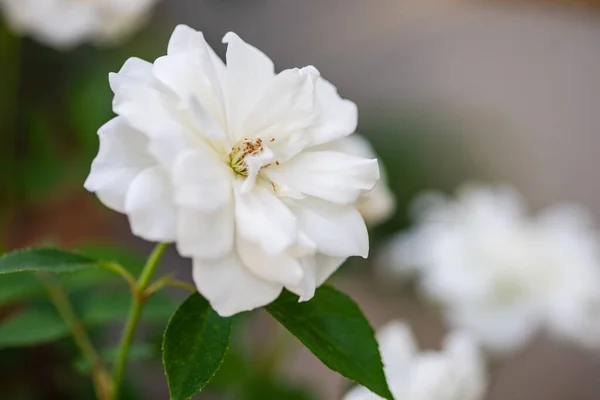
pixel 44 260
pixel 334 329
pixel 195 343
pixel 32 327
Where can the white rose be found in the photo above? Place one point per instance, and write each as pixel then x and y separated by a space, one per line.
pixel 500 274
pixel 379 204
pixel 457 372
pixel 224 161
pixel 67 23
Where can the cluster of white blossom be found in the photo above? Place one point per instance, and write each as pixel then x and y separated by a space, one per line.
pixel 67 23
pixel 501 274
pixel 251 173
pixel 457 372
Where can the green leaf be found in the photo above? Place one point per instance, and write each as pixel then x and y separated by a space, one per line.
pixel 334 329
pixel 16 287
pixel 44 260
pixel 32 327
pixel 131 261
pixel 137 352
pixel 105 307
pixel 194 345
pixel 23 286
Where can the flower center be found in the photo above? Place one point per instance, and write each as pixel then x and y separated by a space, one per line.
pixel 241 151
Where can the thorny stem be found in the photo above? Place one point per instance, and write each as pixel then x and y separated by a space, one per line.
pixel 60 299
pixel 140 296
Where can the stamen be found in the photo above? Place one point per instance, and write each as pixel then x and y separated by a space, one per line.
pixel 248 157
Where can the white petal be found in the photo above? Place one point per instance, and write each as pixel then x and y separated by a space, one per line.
pixel 337 231
pixel 397 346
pixel 209 126
pixel 192 75
pixel 143 101
pixel 121 157
pixel 336 117
pixel 255 162
pixel 152 214
pixel 304 247
pixel 336 177
pixel 317 269
pixel 185 39
pixel 286 106
pixel 361 393
pixel 205 235
pixel 249 72
pixel 306 288
pixel 230 287
pixel 279 268
pixel 430 377
pixel 376 205
pixel 167 145
pixel 261 217
pixel 326 266
pixel 137 70
pixel 201 180
pixel 500 331
pixel 470 373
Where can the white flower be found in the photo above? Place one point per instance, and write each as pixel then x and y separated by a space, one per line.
pixel 377 205
pixel 500 274
pixel 67 23
pixel 225 161
pixel 457 372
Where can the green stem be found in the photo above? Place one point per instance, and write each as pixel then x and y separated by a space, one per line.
pixel 60 299
pixel 169 281
pixel 137 305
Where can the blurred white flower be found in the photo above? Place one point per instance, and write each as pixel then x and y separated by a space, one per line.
pixel 500 274
pixel 67 23
pixel 457 372
pixel 379 204
pixel 225 161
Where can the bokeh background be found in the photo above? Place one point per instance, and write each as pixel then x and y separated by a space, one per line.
pixel 448 91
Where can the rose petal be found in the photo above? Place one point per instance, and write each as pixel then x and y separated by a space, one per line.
pixel 230 287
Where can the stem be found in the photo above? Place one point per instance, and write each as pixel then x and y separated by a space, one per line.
pixel 182 285
pixel 123 272
pixel 59 298
pixel 139 299
pixel 169 281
